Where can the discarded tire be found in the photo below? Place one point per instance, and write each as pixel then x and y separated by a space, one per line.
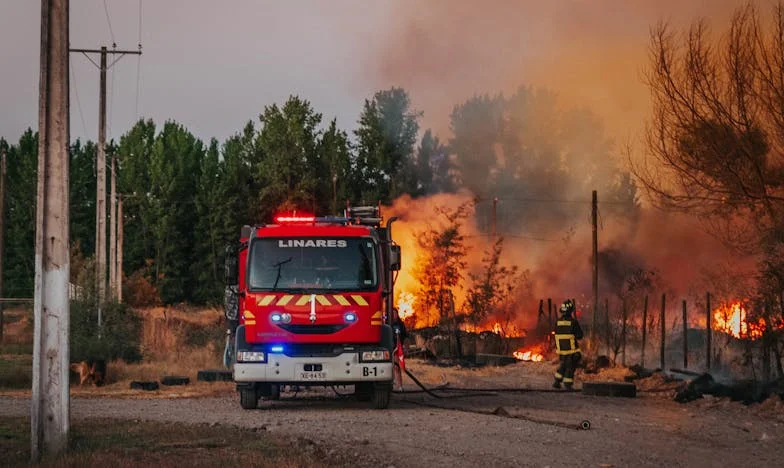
pixel 214 375
pixel 611 389
pixel 148 386
pixel 175 380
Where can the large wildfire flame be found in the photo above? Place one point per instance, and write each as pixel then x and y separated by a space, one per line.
pixel 734 320
pixel 405 305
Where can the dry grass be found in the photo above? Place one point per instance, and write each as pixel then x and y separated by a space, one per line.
pixel 175 341
pixel 110 442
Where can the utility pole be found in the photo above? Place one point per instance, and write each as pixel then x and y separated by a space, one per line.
pixel 50 405
pixel 113 230
pixel 495 205
pixel 595 262
pixel 120 225
pixel 100 167
pixel 2 232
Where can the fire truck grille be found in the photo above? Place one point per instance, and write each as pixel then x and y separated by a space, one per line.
pixel 313 329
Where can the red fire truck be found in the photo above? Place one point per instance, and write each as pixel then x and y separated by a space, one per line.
pixel 309 303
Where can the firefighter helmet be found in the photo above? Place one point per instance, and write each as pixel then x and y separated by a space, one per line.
pixel 567 307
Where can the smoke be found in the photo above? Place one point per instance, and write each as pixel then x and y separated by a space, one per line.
pixel 589 52
pixel 590 55
pixel 676 248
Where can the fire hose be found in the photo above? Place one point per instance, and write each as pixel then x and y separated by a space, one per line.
pixel 475 392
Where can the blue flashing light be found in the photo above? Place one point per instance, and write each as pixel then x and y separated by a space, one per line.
pixel 350 317
pixel 276 318
pixel 276 349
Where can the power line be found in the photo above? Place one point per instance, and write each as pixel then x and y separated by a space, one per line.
pixel 78 102
pixel 108 21
pixel 139 61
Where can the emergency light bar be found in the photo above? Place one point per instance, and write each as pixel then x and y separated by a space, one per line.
pixel 295 219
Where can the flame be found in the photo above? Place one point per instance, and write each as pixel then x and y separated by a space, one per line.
pixel 405 305
pixel 532 354
pixel 734 320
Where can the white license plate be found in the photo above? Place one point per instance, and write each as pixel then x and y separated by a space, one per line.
pixel 312 376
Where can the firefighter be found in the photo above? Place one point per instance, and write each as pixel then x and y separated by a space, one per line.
pixel 567 332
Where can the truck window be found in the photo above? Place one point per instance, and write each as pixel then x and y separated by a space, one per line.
pixel 313 263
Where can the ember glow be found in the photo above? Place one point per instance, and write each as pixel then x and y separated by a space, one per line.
pixel 734 320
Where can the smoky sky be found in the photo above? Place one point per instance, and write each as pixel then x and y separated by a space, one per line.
pixel 214 65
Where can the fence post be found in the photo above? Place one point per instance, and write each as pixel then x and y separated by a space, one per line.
pixel 644 330
pixel 663 331
pixel 685 337
pixel 607 326
pixel 623 332
pixel 708 331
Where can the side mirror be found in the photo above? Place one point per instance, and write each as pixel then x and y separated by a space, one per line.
pixel 231 266
pixel 394 258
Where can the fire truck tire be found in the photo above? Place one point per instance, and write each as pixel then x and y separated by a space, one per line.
pixel 381 396
pixel 249 399
pixel 363 391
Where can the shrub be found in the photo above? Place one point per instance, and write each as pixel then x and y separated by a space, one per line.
pixel 120 334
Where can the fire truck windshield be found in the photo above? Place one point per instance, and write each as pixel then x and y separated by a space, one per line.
pixel 312 264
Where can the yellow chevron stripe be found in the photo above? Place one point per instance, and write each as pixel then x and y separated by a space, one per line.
pixel 377 315
pixel 302 300
pixel 266 300
pixel 323 300
pixel 360 300
pixel 250 322
pixel 375 322
pixel 341 300
pixel 248 314
pixel 285 300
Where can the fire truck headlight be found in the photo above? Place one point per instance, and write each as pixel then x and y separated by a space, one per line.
pixel 350 317
pixel 277 317
pixel 378 355
pixel 250 356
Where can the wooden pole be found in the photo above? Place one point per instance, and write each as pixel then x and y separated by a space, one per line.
pixel 623 332
pixel 644 330
pixel 100 203
pixel 708 331
pixel 685 337
pixel 595 264
pixel 112 227
pixel 50 405
pixel 663 332
pixel 120 226
pixel 607 325
pixel 2 232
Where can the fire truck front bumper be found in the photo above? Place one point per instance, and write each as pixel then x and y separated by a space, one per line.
pixel 361 364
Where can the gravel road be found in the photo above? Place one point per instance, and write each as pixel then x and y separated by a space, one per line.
pixel 526 430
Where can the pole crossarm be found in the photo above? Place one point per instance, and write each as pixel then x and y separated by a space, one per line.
pixel 120 54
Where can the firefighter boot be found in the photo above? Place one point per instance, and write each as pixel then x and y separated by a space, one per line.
pixel 557 384
pixel 568 386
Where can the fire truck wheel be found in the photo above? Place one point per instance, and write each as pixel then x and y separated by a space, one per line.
pixel 249 399
pixel 381 394
pixel 363 391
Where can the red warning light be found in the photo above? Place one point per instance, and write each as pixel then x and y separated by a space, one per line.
pixel 294 219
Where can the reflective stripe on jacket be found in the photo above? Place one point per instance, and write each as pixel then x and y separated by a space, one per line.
pixel 567 332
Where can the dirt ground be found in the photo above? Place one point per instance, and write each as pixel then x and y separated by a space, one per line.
pixel 523 428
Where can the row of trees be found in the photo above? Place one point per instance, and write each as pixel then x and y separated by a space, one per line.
pixel 185 199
